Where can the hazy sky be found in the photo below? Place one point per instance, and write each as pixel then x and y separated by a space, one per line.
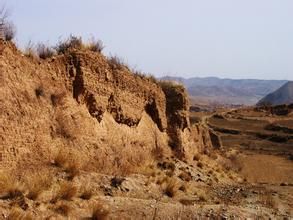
pixel 224 38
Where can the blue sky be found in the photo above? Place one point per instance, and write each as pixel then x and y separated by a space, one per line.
pixel 224 38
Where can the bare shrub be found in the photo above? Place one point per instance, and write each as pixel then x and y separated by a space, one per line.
pixel 99 212
pixel 117 181
pixel 72 42
pixel 9 31
pixel 29 50
pixel 116 63
pixel 95 45
pixel 66 192
pixel 44 51
pixel 4 13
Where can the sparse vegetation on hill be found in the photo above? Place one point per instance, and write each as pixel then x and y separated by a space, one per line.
pixel 85 137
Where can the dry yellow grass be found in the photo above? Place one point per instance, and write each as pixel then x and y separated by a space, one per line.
pixel 61 159
pixel 171 187
pixel 19 214
pixel 185 176
pixel 10 187
pixel 63 209
pixel 99 212
pixel 36 183
pixel 70 162
pixel 66 192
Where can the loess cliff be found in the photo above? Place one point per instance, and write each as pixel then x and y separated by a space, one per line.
pixel 83 102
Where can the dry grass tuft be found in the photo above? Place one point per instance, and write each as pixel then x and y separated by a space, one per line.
pixel 36 183
pixel 29 50
pixel 19 214
pixel 171 187
pixel 202 197
pixel 63 209
pixel 9 31
pixel 9 186
pixel 86 192
pixel 66 192
pixel 95 45
pixel 61 159
pixel 196 157
pixel 183 188
pixel 39 91
pixel 199 164
pixel 185 176
pixel 171 85
pixel 147 170
pixel 72 42
pixel 44 51
pixel 69 162
pixel 145 76
pixel 116 63
pixel 72 169
pixel 99 212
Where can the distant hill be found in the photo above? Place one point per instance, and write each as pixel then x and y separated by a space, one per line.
pixel 283 95
pixel 216 91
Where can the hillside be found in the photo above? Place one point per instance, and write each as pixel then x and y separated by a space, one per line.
pixel 76 125
pixel 283 95
pixel 82 137
pixel 216 91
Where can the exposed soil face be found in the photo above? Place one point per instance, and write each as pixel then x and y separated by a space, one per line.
pixel 70 99
pixel 81 138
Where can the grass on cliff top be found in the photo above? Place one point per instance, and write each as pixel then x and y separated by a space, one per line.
pixel 170 85
pixel 43 51
pixel 74 42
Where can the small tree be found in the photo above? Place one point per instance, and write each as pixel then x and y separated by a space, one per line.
pixel 9 31
pixel 7 27
pixel 44 51
pixel 72 42
pixel 4 13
